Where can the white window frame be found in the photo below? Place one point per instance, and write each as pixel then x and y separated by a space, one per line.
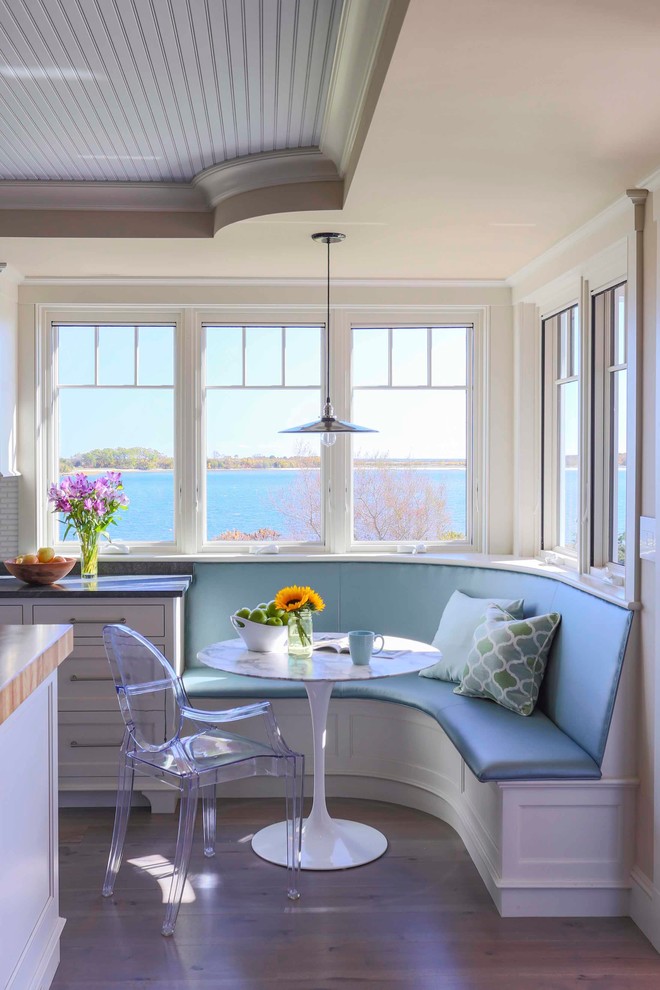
pixel 242 316
pixel 363 546
pixel 602 435
pixel 477 398
pixel 606 270
pixel 47 467
pixel 552 383
pixel 189 439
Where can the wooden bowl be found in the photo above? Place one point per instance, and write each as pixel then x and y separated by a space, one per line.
pixel 48 573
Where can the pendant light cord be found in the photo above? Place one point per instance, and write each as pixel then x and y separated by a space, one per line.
pixel 327 334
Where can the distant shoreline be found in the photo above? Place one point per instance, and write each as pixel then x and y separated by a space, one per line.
pixel 230 470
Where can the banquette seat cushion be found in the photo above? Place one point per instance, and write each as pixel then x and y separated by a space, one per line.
pixel 563 739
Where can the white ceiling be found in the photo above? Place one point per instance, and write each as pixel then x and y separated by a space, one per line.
pixel 499 128
pixel 158 91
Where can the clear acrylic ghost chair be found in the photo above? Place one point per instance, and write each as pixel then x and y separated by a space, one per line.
pixel 194 763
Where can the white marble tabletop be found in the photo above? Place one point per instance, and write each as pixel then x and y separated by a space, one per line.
pixel 400 656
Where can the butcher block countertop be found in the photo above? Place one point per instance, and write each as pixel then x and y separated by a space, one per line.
pixel 28 655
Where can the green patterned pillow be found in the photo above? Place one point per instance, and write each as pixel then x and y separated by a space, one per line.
pixel 507 660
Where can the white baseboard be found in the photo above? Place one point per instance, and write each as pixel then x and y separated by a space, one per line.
pixel 645 906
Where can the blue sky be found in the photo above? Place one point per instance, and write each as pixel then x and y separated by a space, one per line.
pixel 411 422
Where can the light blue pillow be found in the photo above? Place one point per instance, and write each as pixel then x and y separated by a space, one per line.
pixel 460 619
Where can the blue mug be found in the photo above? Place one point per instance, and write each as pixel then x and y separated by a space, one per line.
pixel 361 645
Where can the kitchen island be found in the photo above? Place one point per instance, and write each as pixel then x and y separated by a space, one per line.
pixel 30 924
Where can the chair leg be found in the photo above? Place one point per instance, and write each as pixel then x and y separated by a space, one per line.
pixel 294 808
pixel 209 816
pixel 122 812
pixel 187 812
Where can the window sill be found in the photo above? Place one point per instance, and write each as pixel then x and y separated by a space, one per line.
pixel 504 562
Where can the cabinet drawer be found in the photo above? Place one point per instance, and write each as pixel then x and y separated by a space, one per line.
pixel 89 745
pixel 88 619
pixel 85 681
pixel 11 615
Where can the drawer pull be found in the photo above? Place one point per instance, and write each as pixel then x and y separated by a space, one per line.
pixel 96 745
pixel 90 677
pixel 95 622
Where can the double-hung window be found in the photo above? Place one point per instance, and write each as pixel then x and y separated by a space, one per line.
pixel 412 481
pixel 113 408
pixel 561 432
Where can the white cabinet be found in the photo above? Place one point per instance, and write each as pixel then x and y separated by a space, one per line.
pixel 90 725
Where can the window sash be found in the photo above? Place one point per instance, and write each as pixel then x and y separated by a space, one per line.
pixel 560 370
pixel 427 386
pixel 608 307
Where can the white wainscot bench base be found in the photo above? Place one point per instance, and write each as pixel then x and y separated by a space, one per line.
pixel 542 848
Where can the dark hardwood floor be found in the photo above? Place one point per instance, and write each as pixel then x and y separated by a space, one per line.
pixel 417 919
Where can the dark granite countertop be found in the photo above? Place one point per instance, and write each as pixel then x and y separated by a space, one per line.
pixel 115 586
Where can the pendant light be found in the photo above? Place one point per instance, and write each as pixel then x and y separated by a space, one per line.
pixel 328 425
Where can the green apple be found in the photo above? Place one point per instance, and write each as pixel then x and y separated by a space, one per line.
pixel 243 613
pixel 263 606
pixel 285 616
pixel 273 620
pixel 273 611
pixel 258 615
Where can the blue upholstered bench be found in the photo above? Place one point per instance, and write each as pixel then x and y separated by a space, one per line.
pixel 563 740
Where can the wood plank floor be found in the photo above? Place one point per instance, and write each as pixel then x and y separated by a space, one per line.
pixel 417 919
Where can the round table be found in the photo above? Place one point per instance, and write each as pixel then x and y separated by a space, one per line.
pixel 327 843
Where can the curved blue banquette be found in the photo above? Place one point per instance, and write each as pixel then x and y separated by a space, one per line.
pixel 565 737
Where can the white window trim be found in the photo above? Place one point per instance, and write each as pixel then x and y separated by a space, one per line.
pixel 605 271
pixel 47 470
pixel 549 443
pixel 246 316
pixel 189 447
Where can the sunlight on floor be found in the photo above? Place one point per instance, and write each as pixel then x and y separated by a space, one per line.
pixel 161 870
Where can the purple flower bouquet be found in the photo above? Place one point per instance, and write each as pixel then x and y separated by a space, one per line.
pixel 89 507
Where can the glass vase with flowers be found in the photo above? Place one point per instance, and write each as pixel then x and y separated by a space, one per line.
pixel 300 603
pixel 89 506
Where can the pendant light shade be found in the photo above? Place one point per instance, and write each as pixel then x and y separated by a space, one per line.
pixel 328 425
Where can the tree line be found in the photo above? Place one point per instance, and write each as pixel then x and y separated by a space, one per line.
pixel 148 459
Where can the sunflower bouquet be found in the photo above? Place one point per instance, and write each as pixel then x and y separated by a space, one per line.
pixel 299 603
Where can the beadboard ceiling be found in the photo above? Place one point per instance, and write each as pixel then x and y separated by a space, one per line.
pixel 458 141
pixel 158 90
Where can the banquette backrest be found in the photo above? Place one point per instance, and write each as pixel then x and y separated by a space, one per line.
pixel 407 598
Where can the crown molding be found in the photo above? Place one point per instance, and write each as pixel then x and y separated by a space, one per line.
pixel 222 282
pixel 367 36
pixel 139 196
pixel 270 168
pixel 285 181
pixel 615 211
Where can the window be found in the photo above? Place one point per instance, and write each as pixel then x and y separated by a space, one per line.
pixel 412 479
pixel 189 405
pixel 561 432
pixel 610 427
pixel 261 485
pixel 113 408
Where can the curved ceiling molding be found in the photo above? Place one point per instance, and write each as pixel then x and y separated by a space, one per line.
pixel 254 186
pixel 281 108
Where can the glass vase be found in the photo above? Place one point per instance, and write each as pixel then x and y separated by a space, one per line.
pixel 300 634
pixel 89 555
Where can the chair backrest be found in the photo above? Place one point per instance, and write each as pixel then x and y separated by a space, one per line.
pixel 146 686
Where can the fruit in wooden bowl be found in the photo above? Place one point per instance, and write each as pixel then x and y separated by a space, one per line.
pixel 44 567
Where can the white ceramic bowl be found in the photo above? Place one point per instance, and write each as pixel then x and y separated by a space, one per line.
pixel 258 636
